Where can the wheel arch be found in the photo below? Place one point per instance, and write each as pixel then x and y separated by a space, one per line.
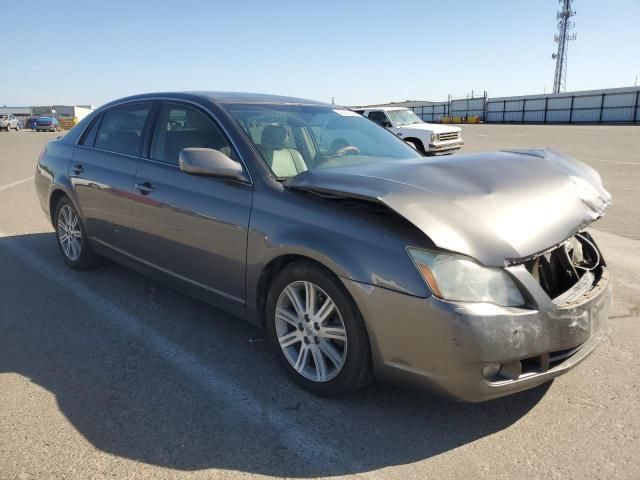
pixel 418 143
pixel 54 197
pixel 272 268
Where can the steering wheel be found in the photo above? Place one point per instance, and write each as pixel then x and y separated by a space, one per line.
pixel 347 150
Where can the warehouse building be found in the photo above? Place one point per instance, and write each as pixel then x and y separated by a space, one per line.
pixel 608 105
pixel 73 113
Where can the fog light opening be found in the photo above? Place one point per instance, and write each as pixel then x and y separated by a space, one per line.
pixel 491 372
pixel 505 371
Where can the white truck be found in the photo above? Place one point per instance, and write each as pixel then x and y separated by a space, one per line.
pixel 427 138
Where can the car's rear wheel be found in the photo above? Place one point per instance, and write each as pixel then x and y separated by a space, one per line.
pixel 71 238
pixel 320 335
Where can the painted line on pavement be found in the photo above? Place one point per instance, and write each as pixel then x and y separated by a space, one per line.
pixel 298 441
pixel 14 184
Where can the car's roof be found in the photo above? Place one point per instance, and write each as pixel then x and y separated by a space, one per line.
pixel 240 97
pixel 227 97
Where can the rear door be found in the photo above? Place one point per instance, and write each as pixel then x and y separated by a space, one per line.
pixel 191 228
pixel 103 171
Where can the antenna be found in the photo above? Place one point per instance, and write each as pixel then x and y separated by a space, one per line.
pixel 562 38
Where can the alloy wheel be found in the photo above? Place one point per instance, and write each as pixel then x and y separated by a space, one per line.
pixel 310 331
pixel 69 232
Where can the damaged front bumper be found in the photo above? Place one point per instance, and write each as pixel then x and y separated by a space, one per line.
pixel 475 352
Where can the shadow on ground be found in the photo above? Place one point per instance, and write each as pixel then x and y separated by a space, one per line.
pixel 127 400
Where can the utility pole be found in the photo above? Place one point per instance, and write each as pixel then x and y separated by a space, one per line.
pixel 562 38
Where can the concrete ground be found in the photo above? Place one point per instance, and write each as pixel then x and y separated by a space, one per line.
pixel 107 374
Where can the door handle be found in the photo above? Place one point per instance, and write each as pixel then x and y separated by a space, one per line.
pixel 145 188
pixel 77 169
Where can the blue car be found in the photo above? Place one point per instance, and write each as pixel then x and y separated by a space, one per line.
pixel 32 122
pixel 47 124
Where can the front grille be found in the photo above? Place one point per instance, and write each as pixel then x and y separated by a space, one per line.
pixel 447 136
pixel 558 270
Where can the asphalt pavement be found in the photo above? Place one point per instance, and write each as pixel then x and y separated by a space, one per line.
pixel 108 374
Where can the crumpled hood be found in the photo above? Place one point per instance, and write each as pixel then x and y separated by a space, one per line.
pixel 495 206
pixel 433 127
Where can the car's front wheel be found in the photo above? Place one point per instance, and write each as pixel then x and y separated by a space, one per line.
pixel 320 335
pixel 71 238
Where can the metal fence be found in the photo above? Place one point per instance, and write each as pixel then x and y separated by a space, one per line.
pixel 620 105
pixel 613 107
pixel 432 112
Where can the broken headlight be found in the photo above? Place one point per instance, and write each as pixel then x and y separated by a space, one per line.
pixel 458 278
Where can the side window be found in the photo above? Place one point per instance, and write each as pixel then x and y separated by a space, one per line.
pixel 180 126
pixel 121 128
pixel 380 118
pixel 359 112
pixel 90 137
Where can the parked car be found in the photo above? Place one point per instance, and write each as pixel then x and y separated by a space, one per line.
pixel 427 138
pixel 32 122
pixel 47 124
pixel 470 274
pixel 9 121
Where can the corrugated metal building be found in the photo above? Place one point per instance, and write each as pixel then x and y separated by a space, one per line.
pixel 610 105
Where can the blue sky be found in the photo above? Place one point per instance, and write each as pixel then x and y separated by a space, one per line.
pixel 356 51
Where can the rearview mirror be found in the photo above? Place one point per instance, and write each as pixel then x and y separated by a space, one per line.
pixel 209 162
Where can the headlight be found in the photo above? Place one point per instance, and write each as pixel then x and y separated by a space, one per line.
pixel 434 137
pixel 458 278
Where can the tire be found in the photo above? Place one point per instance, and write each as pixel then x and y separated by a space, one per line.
pixel 17 127
pixel 341 335
pixel 77 253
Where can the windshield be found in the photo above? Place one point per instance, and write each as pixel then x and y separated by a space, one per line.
pixel 296 138
pixel 403 117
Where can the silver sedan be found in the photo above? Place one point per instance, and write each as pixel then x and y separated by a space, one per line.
pixel 471 275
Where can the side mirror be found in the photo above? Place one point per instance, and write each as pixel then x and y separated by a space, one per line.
pixel 209 162
pixel 386 123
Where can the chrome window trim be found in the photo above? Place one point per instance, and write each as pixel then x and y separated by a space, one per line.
pixel 109 151
pixel 170 99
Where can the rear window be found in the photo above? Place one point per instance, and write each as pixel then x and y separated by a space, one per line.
pixel 90 137
pixel 4 116
pixel 121 128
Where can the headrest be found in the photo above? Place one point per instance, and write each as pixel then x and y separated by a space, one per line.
pixel 273 136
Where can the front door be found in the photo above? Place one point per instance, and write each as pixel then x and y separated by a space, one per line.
pixel 192 228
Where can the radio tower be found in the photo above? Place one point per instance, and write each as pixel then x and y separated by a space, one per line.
pixel 565 25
